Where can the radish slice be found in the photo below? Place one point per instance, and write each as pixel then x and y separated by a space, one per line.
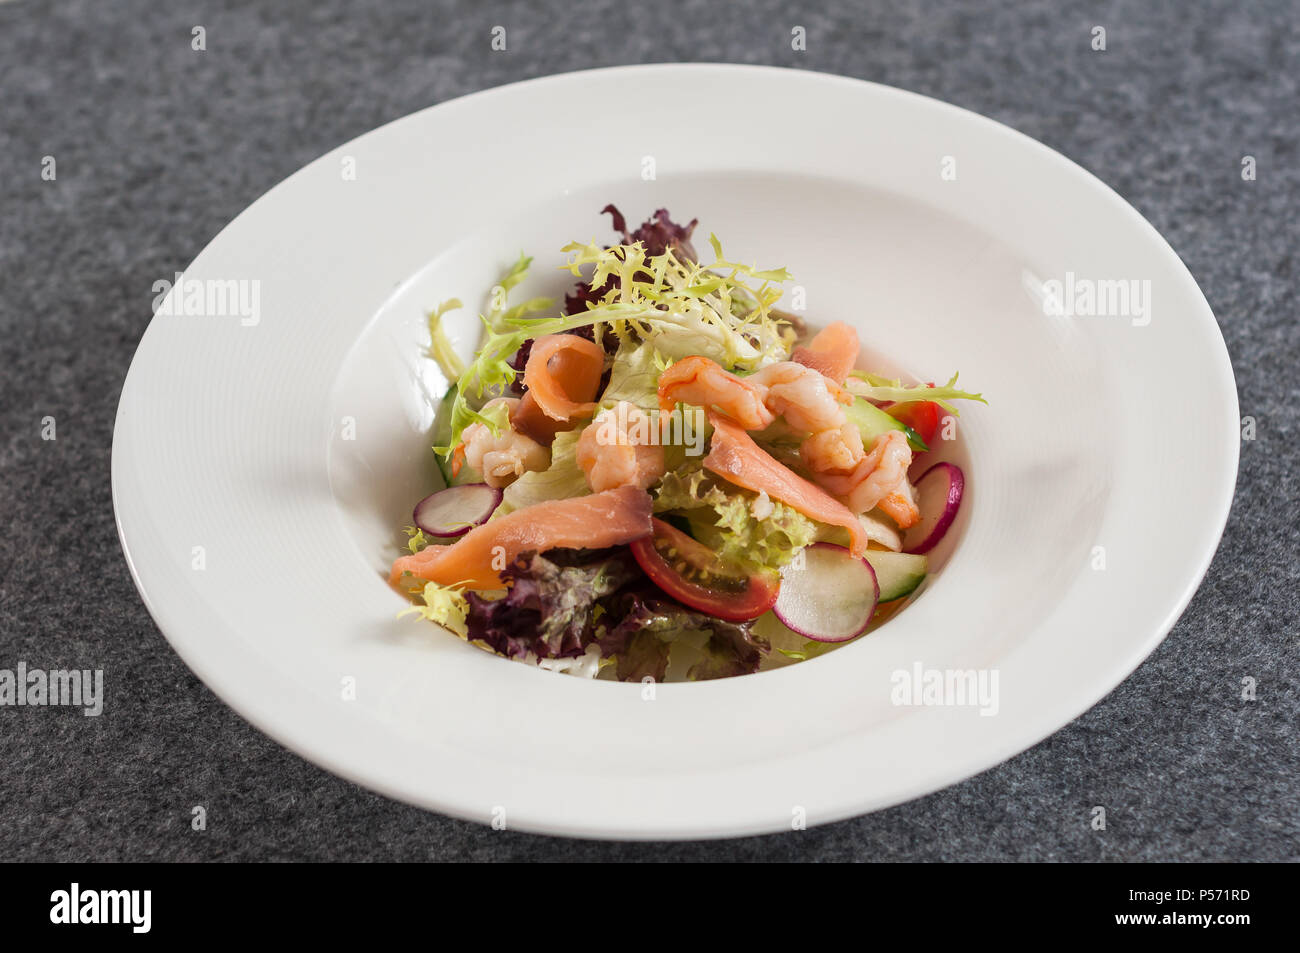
pixel 939 492
pixel 831 597
pixel 455 511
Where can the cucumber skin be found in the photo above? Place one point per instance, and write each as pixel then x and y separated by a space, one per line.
pixel 872 422
pixel 441 437
pixel 893 576
pixel 466 475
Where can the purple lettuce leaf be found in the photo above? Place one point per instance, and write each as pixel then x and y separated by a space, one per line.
pixel 549 605
pixel 641 621
pixel 658 233
pixel 561 602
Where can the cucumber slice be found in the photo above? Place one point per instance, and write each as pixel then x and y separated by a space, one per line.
pixel 897 574
pixel 465 477
pixel 442 436
pixel 442 418
pixel 873 421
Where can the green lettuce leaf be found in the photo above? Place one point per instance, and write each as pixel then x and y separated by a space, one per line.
pixel 810 650
pixel 634 376
pixel 499 315
pixel 721 309
pixel 875 387
pixel 560 481
pixel 723 519
pixel 440 348
pixel 644 626
pixel 416 540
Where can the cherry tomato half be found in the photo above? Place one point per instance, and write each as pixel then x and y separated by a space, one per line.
pixel 923 416
pixel 690 572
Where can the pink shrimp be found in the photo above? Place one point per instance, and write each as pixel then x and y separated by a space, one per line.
pixel 620 448
pixel 879 479
pixel 500 457
pixel 834 450
pixel 812 402
pixel 806 398
pixel 704 383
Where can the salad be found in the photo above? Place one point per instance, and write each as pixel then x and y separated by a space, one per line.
pixel 669 478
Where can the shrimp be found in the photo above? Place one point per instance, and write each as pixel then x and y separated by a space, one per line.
pixel 503 457
pixel 812 402
pixel 901 506
pixel 620 448
pixel 834 450
pixel 704 383
pixel 879 479
pixel 807 399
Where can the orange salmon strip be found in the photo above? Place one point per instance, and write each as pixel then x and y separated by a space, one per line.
pixel 586 522
pixel 735 456
pixel 833 351
pixel 563 373
pixel 529 420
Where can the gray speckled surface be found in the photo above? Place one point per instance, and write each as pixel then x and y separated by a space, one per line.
pixel 158 147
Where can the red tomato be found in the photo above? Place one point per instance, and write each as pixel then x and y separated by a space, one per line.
pixel 923 416
pixel 690 573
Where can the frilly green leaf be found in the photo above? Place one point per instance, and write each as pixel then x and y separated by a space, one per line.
pixel 444 605
pixel 875 387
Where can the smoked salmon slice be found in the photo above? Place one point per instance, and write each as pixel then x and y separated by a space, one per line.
pixel 603 519
pixel 833 351
pixel 735 456
pixel 527 418
pixel 563 373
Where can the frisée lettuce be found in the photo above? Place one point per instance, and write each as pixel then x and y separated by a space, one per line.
pixel 741 527
pixel 722 310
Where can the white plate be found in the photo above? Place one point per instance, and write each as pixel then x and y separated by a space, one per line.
pixel 1108 432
